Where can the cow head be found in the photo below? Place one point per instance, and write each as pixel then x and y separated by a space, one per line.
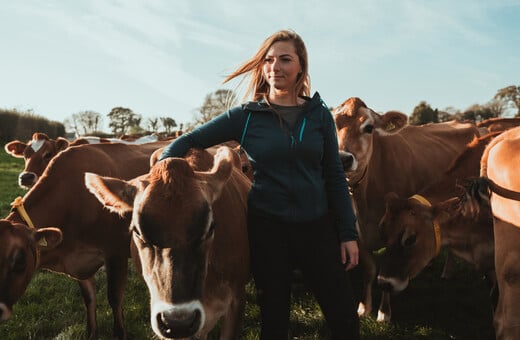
pixel 37 154
pixel 20 247
pixel 172 227
pixel 356 126
pixel 410 229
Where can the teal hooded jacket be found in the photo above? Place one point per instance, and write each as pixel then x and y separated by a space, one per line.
pixel 298 176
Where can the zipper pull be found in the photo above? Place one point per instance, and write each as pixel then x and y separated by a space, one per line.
pixel 292 142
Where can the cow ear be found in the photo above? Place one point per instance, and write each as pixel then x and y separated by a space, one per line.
pixel 61 143
pixel 48 238
pixel 447 209
pixel 15 148
pixel 154 158
pixel 115 194
pixel 392 122
pixel 217 177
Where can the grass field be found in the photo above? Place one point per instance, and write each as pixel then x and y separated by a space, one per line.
pixel 431 308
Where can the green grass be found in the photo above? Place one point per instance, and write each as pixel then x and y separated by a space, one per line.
pixel 430 308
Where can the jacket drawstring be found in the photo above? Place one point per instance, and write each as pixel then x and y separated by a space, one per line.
pixel 302 128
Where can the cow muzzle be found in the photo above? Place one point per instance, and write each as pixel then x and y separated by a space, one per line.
pixel 390 284
pixel 178 321
pixel 5 312
pixel 27 179
pixel 348 161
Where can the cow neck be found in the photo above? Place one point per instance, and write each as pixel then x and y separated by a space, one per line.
pixel 436 226
pixel 17 205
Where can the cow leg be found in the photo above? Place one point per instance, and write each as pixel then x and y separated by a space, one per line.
pixel 88 292
pixel 507 252
pixel 117 271
pixel 232 321
pixel 385 311
pixel 369 274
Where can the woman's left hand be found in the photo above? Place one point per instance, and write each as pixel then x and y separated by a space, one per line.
pixel 349 254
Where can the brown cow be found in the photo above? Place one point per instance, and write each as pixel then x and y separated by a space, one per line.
pixel 189 231
pixel 91 235
pixel 499 169
pixel 381 153
pixel 415 228
pixel 499 124
pixel 38 152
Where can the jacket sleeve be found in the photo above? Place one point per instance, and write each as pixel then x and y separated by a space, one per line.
pixel 223 128
pixel 340 202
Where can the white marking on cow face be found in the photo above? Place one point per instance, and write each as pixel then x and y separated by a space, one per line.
pixel 5 312
pixel 27 179
pixel 36 144
pixel 177 320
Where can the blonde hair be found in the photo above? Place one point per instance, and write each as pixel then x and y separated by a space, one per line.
pixel 258 87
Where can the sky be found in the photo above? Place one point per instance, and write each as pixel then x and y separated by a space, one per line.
pixel 160 58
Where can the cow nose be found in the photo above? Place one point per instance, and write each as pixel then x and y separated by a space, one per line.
pixel 347 160
pixel 27 179
pixel 179 323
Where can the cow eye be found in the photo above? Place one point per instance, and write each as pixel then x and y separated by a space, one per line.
pixel 410 241
pixel 368 129
pixel 19 262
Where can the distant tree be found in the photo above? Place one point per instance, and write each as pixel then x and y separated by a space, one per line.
pixel 423 113
pixel 122 120
pixel 85 122
pixel 153 124
pixel 72 125
pixel 444 116
pixel 496 107
pixel 168 124
pixel 477 113
pixel 214 104
pixel 510 95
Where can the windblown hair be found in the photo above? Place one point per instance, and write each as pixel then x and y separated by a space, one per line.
pixel 258 86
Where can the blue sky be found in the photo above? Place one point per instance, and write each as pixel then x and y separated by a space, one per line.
pixel 162 57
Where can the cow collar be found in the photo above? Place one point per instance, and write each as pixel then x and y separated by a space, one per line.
pixel 436 226
pixel 354 186
pixel 18 205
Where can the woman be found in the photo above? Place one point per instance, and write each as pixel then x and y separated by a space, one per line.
pixel 299 210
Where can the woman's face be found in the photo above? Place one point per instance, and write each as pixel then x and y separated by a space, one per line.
pixel 281 66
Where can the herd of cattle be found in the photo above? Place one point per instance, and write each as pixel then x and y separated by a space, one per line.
pixel 415 189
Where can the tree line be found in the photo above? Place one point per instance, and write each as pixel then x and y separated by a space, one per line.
pixel 505 100
pixel 124 121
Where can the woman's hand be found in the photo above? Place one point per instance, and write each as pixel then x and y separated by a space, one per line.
pixel 349 254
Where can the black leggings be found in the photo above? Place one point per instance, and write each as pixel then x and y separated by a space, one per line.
pixel 313 247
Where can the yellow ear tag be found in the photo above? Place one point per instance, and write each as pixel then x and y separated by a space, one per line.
pixel 42 242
